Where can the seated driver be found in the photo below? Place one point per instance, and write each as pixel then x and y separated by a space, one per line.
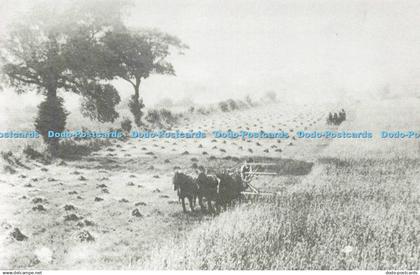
pixel 246 171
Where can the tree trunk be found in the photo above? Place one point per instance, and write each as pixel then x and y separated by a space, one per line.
pixel 53 119
pixel 135 104
pixel 52 92
pixel 137 89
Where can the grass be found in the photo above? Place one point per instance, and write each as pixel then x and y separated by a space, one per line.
pixel 70 149
pixel 356 215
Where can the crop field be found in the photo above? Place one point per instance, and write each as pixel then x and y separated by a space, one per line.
pixel 116 208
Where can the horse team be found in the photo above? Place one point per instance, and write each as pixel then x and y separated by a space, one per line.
pixel 219 189
pixel 336 119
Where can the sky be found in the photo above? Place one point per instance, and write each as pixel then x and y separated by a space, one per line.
pixel 300 49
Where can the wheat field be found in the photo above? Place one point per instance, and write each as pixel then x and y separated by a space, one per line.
pixel 115 207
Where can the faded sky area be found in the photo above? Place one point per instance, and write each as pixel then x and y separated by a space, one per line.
pixel 311 49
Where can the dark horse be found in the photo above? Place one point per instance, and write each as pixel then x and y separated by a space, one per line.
pixel 229 188
pixel 186 187
pixel 207 188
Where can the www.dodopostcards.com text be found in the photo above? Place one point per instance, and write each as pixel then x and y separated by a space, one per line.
pixel 229 134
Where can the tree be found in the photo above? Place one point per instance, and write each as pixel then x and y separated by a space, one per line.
pixel 271 96
pixel 135 55
pixel 56 52
pixel 51 117
pixel 249 101
pixel 99 102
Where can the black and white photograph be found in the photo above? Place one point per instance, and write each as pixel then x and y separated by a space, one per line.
pixel 209 135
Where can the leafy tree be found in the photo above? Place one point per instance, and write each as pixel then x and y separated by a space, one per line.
pixel 249 101
pixel 99 101
pixel 232 104
pixel 270 96
pixel 51 117
pixel 135 55
pixel 59 50
pixel 161 118
pixel 126 125
pixel 136 105
pixel 224 106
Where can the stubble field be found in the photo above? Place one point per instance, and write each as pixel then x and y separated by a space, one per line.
pixel 116 207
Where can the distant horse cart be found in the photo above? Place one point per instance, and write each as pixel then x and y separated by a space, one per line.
pixel 220 187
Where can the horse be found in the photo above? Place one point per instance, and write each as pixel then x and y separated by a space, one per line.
pixel 330 119
pixel 229 188
pixel 186 187
pixel 207 188
pixel 342 115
